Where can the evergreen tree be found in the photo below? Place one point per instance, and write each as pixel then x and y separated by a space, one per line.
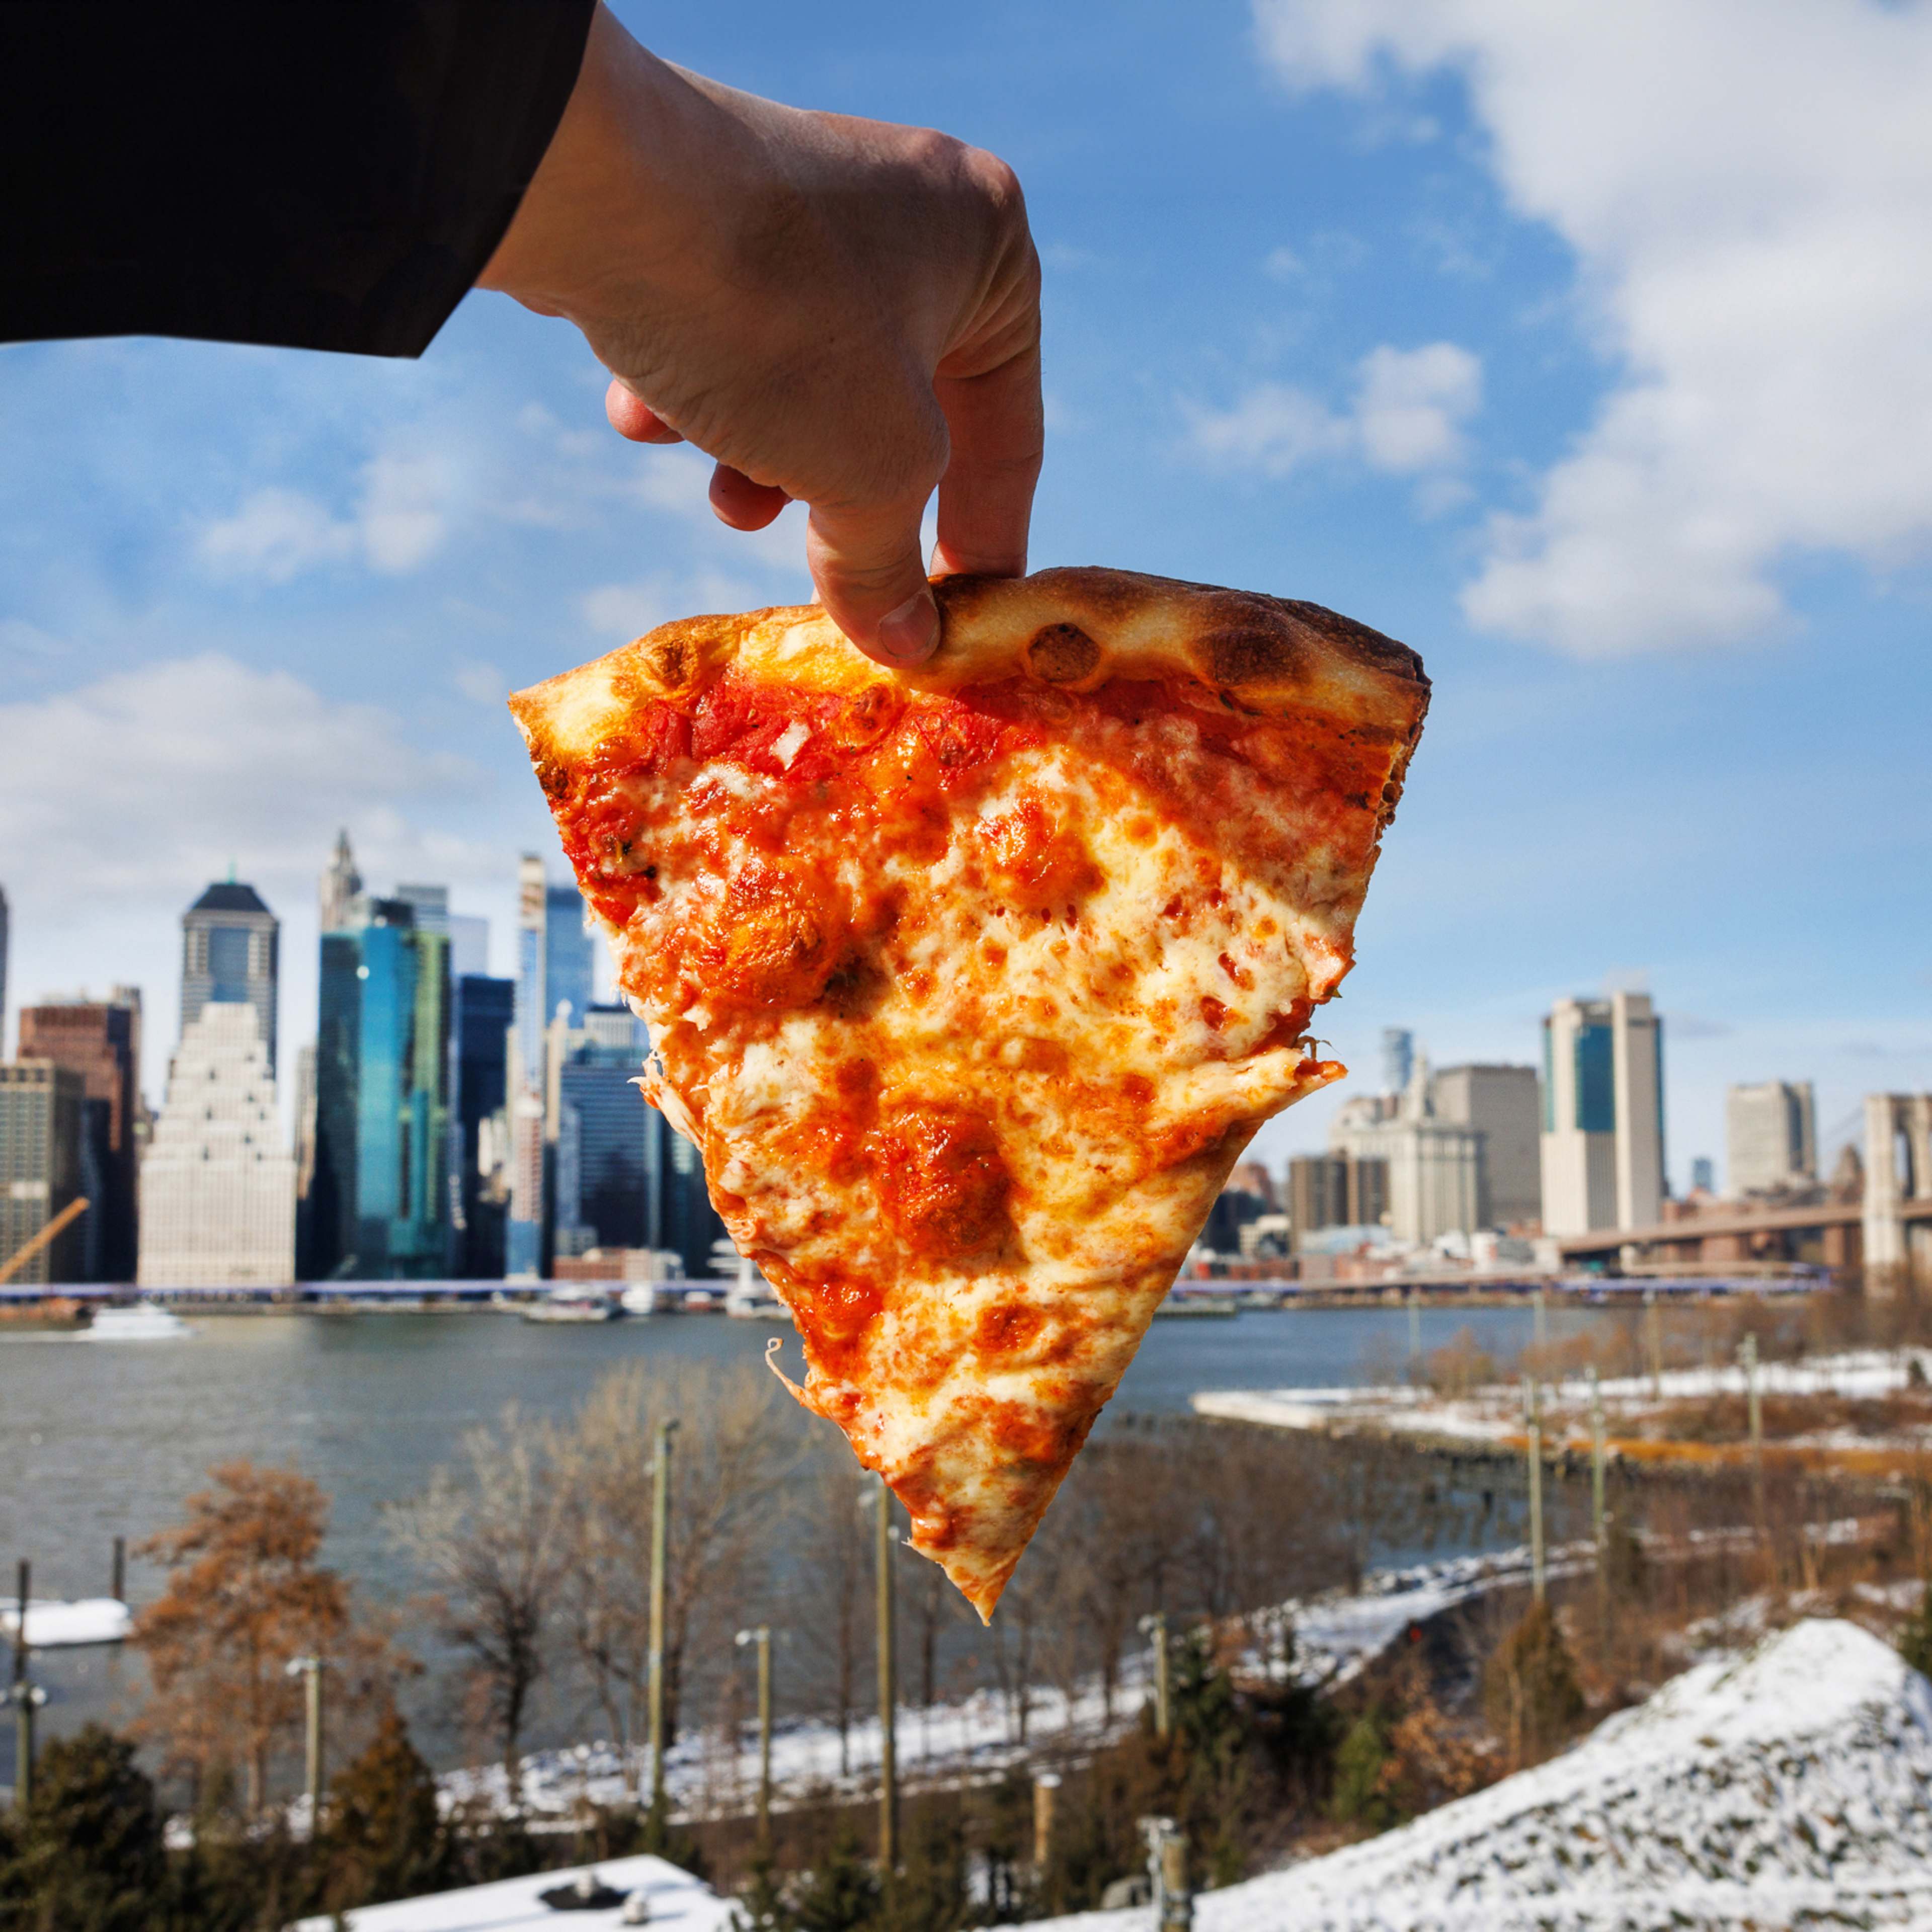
pixel 929 1893
pixel 382 1837
pixel 1360 1796
pixel 1530 1692
pixel 761 1906
pixel 1915 1640
pixel 841 1893
pixel 87 1854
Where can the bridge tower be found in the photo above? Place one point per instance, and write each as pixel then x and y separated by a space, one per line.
pixel 1898 1168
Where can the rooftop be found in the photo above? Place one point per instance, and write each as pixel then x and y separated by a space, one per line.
pixel 228 896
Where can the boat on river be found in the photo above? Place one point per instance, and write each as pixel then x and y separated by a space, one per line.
pixel 1179 1302
pixel 144 1321
pixel 574 1307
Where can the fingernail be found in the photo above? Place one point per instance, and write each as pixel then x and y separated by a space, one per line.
pixel 910 634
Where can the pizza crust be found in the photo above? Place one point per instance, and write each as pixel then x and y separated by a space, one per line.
pixel 1073 627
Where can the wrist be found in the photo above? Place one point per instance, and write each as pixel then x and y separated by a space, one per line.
pixel 627 194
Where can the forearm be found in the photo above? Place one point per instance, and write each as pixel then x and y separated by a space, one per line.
pixel 309 173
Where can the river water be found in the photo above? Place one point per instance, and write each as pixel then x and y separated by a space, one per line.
pixel 99 1439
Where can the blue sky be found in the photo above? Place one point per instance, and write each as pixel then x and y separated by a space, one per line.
pixel 1586 350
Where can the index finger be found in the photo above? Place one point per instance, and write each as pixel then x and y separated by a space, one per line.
pixel 997 428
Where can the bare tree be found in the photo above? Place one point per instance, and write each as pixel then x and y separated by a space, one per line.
pixel 496 1544
pixel 834 1584
pixel 734 1453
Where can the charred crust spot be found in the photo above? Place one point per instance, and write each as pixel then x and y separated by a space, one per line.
pixel 1249 656
pixel 673 657
pixel 552 776
pixel 1061 654
pixel 672 661
pixel 1356 641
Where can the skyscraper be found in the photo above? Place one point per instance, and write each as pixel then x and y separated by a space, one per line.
pixel 1433 1165
pixel 1398 1059
pixel 381 1201
pixel 341 884
pixel 218 1186
pixel 524 1104
pixel 1770 1135
pixel 1603 1114
pixel 569 953
pixel 606 1189
pixel 1502 1104
pixel 41 1118
pixel 485 1012
pixel 100 1040
pixel 230 942
pixel 430 905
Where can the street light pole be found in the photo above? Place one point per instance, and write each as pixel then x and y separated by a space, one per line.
pixel 25 1697
pixel 311 1668
pixel 660 1564
pixel 889 1768
pixel 1533 1422
pixel 1598 1526
pixel 762 1637
pixel 1747 1355
pixel 1155 1627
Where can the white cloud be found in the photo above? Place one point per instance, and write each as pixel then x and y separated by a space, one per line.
pixel 483 683
pixel 623 611
pixel 276 535
pixel 676 480
pixel 1406 417
pixel 1411 408
pixel 1748 189
pixel 404 512
pixel 144 785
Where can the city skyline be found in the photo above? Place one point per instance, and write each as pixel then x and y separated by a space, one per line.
pixel 1701 1097
pixel 1415 328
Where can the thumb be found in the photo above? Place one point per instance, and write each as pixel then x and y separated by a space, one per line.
pixel 867 565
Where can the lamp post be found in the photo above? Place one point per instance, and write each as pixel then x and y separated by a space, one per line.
pixel 1598 1527
pixel 25 1697
pixel 1748 1356
pixel 889 1698
pixel 311 1667
pixel 762 1637
pixel 660 1564
pixel 1167 1875
pixel 1533 1423
pixel 1155 1627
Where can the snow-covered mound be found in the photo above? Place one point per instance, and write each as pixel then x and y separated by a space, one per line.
pixel 1789 1787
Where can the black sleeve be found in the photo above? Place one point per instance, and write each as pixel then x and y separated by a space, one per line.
pixel 317 174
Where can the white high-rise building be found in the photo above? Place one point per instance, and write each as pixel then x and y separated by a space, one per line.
pixel 1503 1105
pixel 1603 1114
pixel 1770 1135
pixel 1434 1165
pixel 217 1187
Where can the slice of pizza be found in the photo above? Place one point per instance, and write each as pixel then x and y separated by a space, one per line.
pixel 972 983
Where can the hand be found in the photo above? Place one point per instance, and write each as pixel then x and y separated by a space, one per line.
pixel 844 312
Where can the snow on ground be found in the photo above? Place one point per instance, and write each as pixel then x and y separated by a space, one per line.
pixel 677 1903
pixel 56 1626
pixel 1791 1787
pixel 1335 1634
pixel 1495 1414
